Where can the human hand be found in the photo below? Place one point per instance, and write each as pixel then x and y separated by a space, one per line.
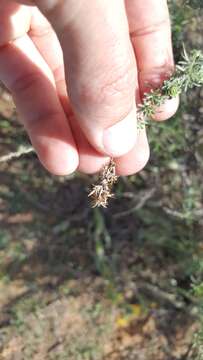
pixel 112 52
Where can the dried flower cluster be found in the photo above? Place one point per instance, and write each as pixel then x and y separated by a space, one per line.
pixel 101 192
pixel 188 74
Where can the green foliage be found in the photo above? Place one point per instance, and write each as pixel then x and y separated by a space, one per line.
pixel 196 4
pixel 188 74
pixel 180 16
pixel 197 291
pixel 4 239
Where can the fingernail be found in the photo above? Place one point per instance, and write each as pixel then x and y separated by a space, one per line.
pixel 167 110
pixel 120 138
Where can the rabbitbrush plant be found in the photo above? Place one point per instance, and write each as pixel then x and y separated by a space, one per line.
pixel 188 74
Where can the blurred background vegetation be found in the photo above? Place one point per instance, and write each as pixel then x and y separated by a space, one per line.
pixel 121 283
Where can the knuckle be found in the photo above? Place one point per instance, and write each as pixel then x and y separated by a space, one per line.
pixel 113 89
pixel 60 12
pixel 151 28
pixel 41 31
pixel 25 2
pixel 25 83
pixel 46 119
pixel 120 86
pixel 14 20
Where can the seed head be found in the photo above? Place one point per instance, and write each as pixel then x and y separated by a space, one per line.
pixel 102 192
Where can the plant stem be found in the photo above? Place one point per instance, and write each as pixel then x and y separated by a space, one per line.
pixel 188 74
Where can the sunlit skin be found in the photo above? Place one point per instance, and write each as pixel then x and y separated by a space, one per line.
pixel 77 71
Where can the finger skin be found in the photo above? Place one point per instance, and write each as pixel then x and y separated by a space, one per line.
pixel 100 69
pixel 136 159
pixel 150 31
pixel 90 160
pixel 14 20
pixel 25 2
pixel 31 83
pixel 41 33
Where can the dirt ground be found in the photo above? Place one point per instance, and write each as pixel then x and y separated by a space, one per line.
pixel 61 300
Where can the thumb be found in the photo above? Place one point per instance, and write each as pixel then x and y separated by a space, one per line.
pixel 100 69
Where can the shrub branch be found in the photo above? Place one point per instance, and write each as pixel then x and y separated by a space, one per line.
pixel 188 74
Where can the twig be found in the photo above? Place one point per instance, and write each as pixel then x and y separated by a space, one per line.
pixel 177 214
pixel 16 154
pixel 161 295
pixel 145 197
